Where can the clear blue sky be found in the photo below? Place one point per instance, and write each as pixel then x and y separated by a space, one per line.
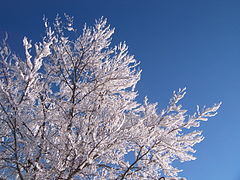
pixel 179 43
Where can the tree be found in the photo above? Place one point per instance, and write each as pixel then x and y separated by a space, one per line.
pixel 69 111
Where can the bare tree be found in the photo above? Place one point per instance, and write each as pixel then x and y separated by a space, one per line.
pixel 68 111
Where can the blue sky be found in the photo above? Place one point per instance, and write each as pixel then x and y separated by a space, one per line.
pixel 180 43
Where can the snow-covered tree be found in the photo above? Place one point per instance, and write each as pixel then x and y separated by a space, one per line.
pixel 68 110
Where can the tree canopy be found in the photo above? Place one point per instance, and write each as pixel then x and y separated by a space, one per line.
pixel 68 110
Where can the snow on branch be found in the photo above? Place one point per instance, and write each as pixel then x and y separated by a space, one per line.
pixel 69 111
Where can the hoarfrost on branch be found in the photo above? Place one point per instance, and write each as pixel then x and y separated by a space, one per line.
pixel 68 110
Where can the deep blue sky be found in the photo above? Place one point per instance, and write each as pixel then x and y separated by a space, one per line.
pixel 179 43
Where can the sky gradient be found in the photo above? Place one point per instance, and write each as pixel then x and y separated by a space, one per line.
pixel 180 43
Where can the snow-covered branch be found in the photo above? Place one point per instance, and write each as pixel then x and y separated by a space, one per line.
pixel 69 111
